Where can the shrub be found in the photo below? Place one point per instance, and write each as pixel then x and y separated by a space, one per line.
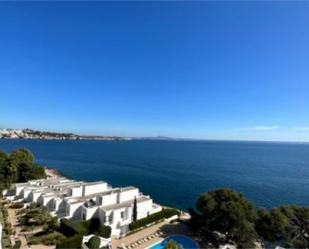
pixel 94 242
pixel 71 242
pixel 21 211
pixel 17 244
pixel 36 217
pixel 104 231
pixel 47 239
pixel 164 214
pixel 91 226
pixel 67 228
pixel 17 205
pixel 33 205
pixel 228 212
pixel 8 228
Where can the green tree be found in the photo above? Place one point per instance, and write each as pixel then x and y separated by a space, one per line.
pixel 172 244
pixel 18 167
pixel 4 169
pixel 135 210
pixel 21 156
pixel 229 213
pixel 296 234
pixel 289 224
pixel 271 224
pixel 94 242
pixel 17 158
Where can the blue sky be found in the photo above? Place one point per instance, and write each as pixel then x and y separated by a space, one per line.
pixel 213 70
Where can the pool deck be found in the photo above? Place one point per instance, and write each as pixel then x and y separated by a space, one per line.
pixel 164 227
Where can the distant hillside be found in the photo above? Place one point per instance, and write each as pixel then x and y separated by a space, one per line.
pixel 35 134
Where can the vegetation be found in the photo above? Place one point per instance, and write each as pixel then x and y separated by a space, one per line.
pixel 235 218
pixel 75 231
pixel 94 242
pixel 39 217
pixel 45 238
pixel 172 244
pixel 18 167
pixel 289 224
pixel 17 205
pixel 229 213
pixel 92 226
pixel 17 244
pixel 135 209
pixel 7 228
pixel 164 214
pixel 71 242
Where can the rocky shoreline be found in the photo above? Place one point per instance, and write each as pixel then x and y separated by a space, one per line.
pixel 52 173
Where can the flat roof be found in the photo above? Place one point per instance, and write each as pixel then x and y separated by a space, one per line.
pixel 117 190
pixel 22 184
pixel 94 183
pixel 68 184
pixel 128 188
pixel 82 198
pixel 125 203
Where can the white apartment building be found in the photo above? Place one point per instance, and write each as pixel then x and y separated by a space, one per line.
pixel 74 200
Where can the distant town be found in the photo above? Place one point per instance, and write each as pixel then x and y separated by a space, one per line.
pixel 8 133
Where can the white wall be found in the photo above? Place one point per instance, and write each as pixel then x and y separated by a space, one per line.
pixel 77 191
pixel 155 209
pixel 46 199
pixel 35 196
pixel 50 204
pixel 60 206
pixel 89 213
pixel 73 209
pixel 109 199
pixel 128 195
pixel 26 193
pixel 94 188
pixel 18 189
pixel 143 209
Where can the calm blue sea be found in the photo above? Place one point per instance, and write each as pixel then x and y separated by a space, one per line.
pixel 175 172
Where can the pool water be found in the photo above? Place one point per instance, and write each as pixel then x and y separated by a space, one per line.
pixel 186 242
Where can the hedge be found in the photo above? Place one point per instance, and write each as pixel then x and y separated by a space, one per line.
pixel 92 226
pixel 73 242
pixel 68 228
pixel 17 205
pixel 104 231
pixel 94 242
pixel 17 244
pixel 164 214
pixel 52 238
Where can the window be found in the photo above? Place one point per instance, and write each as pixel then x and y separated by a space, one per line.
pixel 122 215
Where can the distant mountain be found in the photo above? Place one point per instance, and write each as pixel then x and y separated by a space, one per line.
pixel 156 138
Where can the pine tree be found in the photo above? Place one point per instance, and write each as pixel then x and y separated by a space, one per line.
pixel 135 209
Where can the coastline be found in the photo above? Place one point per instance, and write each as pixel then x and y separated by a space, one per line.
pixel 55 173
pixel 52 173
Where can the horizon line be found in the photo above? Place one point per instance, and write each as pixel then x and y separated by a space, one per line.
pixel 164 138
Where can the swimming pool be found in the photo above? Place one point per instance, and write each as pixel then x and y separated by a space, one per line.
pixel 185 241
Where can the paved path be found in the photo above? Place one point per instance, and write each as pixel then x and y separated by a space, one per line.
pixel 166 228
pixel 12 218
pixel 14 222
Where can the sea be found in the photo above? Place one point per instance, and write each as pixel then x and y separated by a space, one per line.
pixel 175 173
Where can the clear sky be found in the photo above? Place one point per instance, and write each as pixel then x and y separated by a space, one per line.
pixel 213 70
